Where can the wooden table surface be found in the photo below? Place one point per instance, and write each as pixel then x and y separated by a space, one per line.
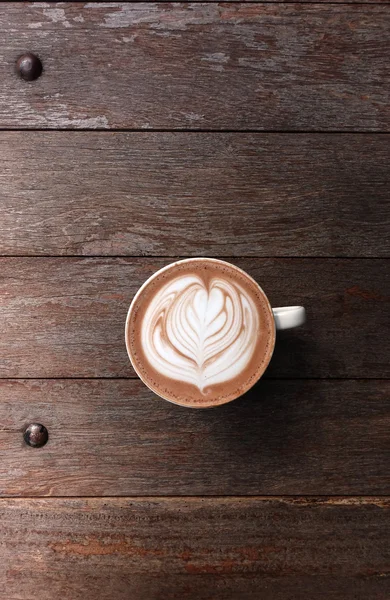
pixel 256 132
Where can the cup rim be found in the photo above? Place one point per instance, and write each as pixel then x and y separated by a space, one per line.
pixel 156 274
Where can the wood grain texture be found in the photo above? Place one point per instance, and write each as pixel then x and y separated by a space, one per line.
pixel 146 549
pixel 116 438
pixel 65 317
pixel 184 65
pixel 209 194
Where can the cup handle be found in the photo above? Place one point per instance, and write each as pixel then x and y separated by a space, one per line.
pixel 287 317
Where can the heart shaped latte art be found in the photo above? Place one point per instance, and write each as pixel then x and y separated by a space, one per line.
pixel 198 334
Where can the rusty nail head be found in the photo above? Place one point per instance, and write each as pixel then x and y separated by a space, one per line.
pixel 36 435
pixel 29 66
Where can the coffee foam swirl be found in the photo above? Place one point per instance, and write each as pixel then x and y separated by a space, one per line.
pixel 199 334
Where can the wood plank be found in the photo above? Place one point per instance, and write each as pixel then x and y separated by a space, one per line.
pixel 64 317
pixel 184 65
pixel 285 549
pixel 114 437
pixel 194 193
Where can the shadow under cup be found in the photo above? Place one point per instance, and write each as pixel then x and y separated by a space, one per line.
pixel 200 332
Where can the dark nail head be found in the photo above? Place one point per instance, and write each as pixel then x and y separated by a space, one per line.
pixel 29 66
pixel 36 435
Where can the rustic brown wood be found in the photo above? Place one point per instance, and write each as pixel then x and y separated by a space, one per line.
pixel 64 317
pixel 184 65
pixel 115 437
pixel 194 66
pixel 194 193
pixel 268 548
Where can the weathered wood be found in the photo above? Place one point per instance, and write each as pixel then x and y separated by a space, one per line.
pixel 64 317
pixel 114 437
pixel 194 193
pixel 225 549
pixel 196 65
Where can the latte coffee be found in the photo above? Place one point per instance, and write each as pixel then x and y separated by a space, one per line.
pixel 200 332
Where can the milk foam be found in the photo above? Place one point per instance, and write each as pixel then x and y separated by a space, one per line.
pixel 198 334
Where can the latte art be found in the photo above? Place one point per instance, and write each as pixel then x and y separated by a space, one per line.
pixel 200 334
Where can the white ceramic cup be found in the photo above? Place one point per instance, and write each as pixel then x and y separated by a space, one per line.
pixel 285 317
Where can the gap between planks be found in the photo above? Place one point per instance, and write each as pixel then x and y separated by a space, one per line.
pixel 381 500
pixel 135 377
pixel 193 130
